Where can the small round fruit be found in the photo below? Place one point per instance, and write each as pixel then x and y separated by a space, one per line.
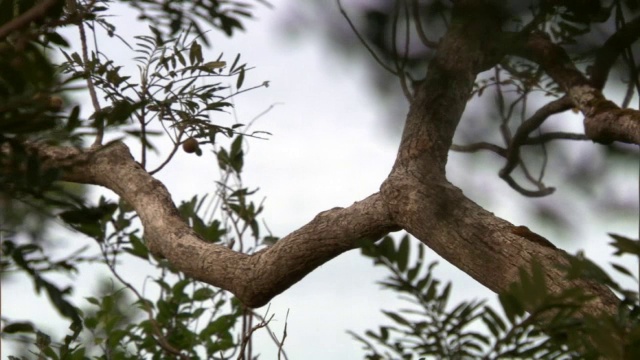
pixel 55 103
pixel 190 145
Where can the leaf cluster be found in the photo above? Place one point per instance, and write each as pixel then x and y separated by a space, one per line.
pixel 178 90
pixel 531 324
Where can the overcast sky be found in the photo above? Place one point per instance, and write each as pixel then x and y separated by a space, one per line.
pixel 331 146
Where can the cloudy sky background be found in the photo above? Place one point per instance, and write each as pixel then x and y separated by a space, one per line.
pixel 333 143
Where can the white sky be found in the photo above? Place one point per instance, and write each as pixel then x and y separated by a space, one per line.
pixel 330 147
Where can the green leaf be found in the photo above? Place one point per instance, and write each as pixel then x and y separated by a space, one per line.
pixel 223 159
pixel 212 65
pixel 240 80
pixel 217 106
pixel 178 288
pixel 235 62
pixel 623 270
pixel 17 327
pixel 93 301
pixel 195 53
pixel 512 307
pixel 180 57
pixel 625 245
pixel 55 38
pixel 403 254
pixel 73 121
pixel 397 318
pixel 76 58
pixel 220 326
pixel 203 294
pixel 387 248
pixel 138 247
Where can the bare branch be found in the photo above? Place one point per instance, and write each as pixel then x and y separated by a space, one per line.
pixel 247 336
pixel 90 85
pixel 542 191
pixel 480 146
pixel 363 41
pixel 604 121
pixel 528 126
pixel 421 34
pixel 284 336
pixel 549 136
pixel 400 61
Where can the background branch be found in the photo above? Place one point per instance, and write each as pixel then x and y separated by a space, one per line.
pixel 37 12
pixel 604 121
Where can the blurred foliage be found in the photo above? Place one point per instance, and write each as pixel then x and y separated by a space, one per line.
pixel 178 88
pixel 432 328
pixel 34 101
pixel 184 318
pixel 171 17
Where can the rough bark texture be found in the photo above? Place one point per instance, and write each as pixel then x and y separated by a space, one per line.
pixel 416 196
pixel 254 279
pixel 604 121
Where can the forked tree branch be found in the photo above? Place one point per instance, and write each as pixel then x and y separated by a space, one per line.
pixel 604 121
pixel 424 203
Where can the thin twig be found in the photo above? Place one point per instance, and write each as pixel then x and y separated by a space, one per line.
pixel 530 193
pixel 480 146
pixel 400 64
pixel 522 133
pixel 247 336
pixel 264 84
pixel 247 323
pixel 403 75
pixel 176 146
pixel 419 29
pixel 284 336
pixel 537 182
pixel 162 341
pixel 272 334
pixel 549 136
pixel 521 136
pixel 362 40
pixel 90 86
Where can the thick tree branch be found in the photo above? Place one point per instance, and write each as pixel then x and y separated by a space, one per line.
pixel 425 204
pixel 489 249
pixel 254 279
pixel 604 121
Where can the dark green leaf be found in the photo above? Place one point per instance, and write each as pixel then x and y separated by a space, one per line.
pixel 403 254
pixel 17 327
pixel 240 80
